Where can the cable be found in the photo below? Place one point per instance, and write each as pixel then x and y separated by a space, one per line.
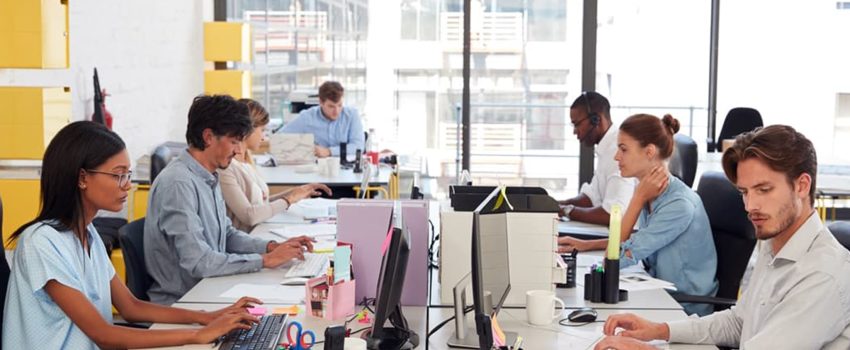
pixel 570 324
pixel 441 324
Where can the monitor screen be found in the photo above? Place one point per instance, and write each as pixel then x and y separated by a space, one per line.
pixel 390 286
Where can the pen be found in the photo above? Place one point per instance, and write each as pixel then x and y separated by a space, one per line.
pixel 319 251
pixel 278 234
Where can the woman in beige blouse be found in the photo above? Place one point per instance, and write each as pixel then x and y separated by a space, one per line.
pixel 245 193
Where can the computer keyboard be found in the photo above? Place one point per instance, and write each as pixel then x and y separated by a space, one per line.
pixel 263 335
pixel 312 266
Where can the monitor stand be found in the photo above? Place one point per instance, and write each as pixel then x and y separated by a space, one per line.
pixel 466 337
pixel 392 337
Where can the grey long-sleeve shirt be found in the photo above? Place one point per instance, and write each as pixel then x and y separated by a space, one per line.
pixel 188 235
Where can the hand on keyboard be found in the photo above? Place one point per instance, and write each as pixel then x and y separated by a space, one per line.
pixel 281 254
pixel 233 320
pixel 312 266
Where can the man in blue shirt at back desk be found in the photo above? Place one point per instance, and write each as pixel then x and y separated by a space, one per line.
pixel 188 235
pixel 330 123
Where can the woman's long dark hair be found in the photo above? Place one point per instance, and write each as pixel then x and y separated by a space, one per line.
pixel 79 145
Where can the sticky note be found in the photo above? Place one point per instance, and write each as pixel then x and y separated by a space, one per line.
pixel 342 263
pixel 289 310
pixel 257 311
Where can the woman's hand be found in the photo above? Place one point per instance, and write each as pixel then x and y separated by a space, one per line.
pixel 240 305
pixel 653 184
pixel 223 324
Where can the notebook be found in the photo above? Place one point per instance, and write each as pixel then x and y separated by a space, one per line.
pixel 292 148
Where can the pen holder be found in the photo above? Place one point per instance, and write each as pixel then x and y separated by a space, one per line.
pixel 611 281
pixel 330 302
pixel 604 286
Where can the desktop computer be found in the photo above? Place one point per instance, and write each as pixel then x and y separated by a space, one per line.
pixel 390 286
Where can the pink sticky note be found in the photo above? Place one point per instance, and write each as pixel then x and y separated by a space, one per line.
pixel 257 311
pixel 386 242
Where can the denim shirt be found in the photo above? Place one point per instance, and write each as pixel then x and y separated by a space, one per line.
pixel 188 235
pixel 675 243
pixel 347 128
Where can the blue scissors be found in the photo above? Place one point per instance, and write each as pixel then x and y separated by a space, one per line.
pixel 300 341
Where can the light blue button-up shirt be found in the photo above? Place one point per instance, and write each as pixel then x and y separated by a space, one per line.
pixel 676 245
pixel 32 320
pixel 188 235
pixel 347 128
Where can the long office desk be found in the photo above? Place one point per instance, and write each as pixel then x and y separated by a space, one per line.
pixel 286 175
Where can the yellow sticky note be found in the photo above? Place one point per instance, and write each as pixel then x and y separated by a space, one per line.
pixel 291 310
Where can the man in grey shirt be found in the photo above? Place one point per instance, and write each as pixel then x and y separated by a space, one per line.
pixel 799 294
pixel 188 235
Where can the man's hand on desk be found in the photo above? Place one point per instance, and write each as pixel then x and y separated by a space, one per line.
pixel 223 324
pixel 634 326
pixel 322 152
pixel 280 253
pixel 616 342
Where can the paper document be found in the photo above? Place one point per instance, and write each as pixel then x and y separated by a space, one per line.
pixel 314 208
pixel 286 218
pixel 642 281
pixel 309 230
pixel 273 293
pixel 342 263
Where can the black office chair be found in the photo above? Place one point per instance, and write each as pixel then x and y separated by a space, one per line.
pixel 132 242
pixel 738 121
pixel 841 231
pixel 683 163
pixel 162 155
pixel 734 238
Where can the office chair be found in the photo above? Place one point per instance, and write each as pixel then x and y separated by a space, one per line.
pixel 841 231
pixel 162 155
pixel 738 121
pixel 132 241
pixel 683 163
pixel 734 238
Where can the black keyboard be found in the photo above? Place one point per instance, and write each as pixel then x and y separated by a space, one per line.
pixel 263 335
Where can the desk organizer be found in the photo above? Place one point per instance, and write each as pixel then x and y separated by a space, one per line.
pixel 330 302
pixel 604 286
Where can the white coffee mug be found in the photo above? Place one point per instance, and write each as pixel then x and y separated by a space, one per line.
pixel 540 307
pixel 322 165
pixel 354 344
pixel 333 166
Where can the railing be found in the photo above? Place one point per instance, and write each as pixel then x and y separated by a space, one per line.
pixel 489 32
pixel 288 30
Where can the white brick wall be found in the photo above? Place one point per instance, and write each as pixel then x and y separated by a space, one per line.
pixel 149 55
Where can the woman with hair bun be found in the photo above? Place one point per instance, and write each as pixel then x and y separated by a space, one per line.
pixel 673 239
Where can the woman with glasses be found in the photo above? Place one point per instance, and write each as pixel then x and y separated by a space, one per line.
pixel 245 193
pixel 62 285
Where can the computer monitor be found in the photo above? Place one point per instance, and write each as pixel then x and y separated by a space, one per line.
pixel 490 276
pixel 390 286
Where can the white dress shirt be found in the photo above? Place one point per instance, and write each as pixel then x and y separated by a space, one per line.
pixel 607 186
pixel 798 299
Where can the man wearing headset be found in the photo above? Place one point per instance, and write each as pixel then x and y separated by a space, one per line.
pixel 590 115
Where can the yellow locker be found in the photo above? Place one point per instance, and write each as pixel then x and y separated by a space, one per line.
pixel 227 41
pixel 33 34
pixel 236 83
pixel 32 117
pixel 20 204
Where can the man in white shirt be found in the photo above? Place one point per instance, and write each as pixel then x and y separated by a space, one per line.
pixel 799 294
pixel 590 115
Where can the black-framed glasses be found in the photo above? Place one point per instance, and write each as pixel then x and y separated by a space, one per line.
pixel 123 179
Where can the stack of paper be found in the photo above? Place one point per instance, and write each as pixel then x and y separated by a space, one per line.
pixel 318 231
pixel 643 281
pixel 272 294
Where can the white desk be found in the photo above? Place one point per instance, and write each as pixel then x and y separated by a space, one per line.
pixel 582 229
pixel 285 175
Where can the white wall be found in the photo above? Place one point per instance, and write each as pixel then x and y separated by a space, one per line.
pixel 149 55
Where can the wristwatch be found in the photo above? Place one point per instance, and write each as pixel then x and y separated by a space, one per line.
pixel 567 209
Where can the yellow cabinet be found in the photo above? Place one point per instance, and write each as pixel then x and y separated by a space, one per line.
pixel 227 41
pixel 236 83
pixel 33 34
pixel 20 204
pixel 32 116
